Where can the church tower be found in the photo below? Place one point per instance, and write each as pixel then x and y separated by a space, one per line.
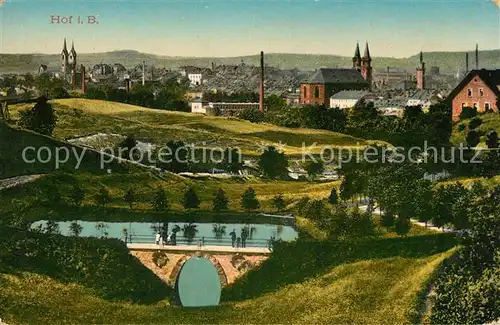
pixel 64 59
pixel 72 58
pixel 356 60
pixel 421 73
pixel 366 66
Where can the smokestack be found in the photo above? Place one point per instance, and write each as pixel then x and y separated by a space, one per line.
pixel 143 73
pixel 127 84
pixel 83 78
pixel 261 101
pixel 73 78
pixel 466 63
pixel 477 57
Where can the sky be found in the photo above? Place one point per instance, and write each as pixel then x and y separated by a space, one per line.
pixel 223 28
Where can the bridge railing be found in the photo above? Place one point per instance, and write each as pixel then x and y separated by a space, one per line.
pixel 204 241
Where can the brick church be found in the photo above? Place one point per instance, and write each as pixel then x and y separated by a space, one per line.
pixel 322 84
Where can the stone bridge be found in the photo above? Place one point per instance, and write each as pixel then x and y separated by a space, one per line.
pixel 166 261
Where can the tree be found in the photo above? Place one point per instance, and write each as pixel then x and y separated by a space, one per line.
pixel 103 197
pixel 130 197
pixel 403 226
pixel 279 202
pixel 333 199
pixel 249 200
pixel 273 164
pixel 53 194
pixel 475 122
pixel 189 232
pixel 231 160
pixel 160 202
pixel 191 200
pixel 220 201
pixel 492 139
pixel 75 228
pixel 77 195
pixel 126 146
pixel 52 228
pixel 173 157
pixel 41 118
pixel 473 138
pixel 313 168
pixel 274 103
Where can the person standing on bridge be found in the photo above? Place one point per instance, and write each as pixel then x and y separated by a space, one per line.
pixel 233 237
pixel 157 239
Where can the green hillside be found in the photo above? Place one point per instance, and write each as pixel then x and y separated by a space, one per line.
pixel 80 117
pixel 375 281
pixel 447 61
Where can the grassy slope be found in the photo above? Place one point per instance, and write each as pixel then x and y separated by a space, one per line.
pixel 13 141
pixel 491 121
pixel 79 117
pixel 381 285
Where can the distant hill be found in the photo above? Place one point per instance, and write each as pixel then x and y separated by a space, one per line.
pixel 447 61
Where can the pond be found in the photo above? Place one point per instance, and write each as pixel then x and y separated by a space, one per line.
pixel 219 234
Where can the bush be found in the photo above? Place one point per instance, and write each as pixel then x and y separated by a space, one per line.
pixel 461 127
pixel 41 118
pixel 251 114
pixel 467 113
pixel 475 123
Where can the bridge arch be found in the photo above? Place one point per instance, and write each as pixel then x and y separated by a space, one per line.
pixel 174 275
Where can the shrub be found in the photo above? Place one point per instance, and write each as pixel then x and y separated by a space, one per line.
pixel 475 123
pixel 41 118
pixel 249 200
pixel 251 114
pixel 468 112
pixel 461 127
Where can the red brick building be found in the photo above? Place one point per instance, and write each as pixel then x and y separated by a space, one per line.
pixel 479 89
pixel 319 87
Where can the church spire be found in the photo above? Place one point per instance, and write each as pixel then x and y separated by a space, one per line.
pixel 367 56
pixel 65 48
pixel 357 53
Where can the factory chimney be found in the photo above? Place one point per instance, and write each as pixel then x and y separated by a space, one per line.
pixel 83 78
pixel 466 63
pixel 477 57
pixel 73 79
pixel 143 73
pixel 261 101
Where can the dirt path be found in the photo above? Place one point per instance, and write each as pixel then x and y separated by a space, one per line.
pixel 16 181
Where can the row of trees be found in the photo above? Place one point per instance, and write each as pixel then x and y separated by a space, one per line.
pixel 168 96
pixel 160 202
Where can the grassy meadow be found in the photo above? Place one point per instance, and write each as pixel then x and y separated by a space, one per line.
pixel 81 117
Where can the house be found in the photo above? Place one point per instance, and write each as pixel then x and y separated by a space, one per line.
pixel 195 79
pixel 321 85
pixel 198 106
pixel 347 98
pixel 292 98
pixel 479 89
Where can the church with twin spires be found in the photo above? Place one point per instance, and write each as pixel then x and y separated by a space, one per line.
pixel 68 59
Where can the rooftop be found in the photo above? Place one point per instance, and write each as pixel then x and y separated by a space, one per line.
pixel 336 76
pixel 350 94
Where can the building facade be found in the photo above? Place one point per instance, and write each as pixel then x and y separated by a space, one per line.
pixel 479 89
pixel 347 99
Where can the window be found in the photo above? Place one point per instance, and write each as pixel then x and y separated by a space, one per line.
pixel 316 92
pixel 464 105
pixel 481 92
pixel 475 105
pixel 486 106
pixel 305 92
pixel 469 92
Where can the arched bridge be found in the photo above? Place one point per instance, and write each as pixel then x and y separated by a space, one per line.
pixel 166 261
